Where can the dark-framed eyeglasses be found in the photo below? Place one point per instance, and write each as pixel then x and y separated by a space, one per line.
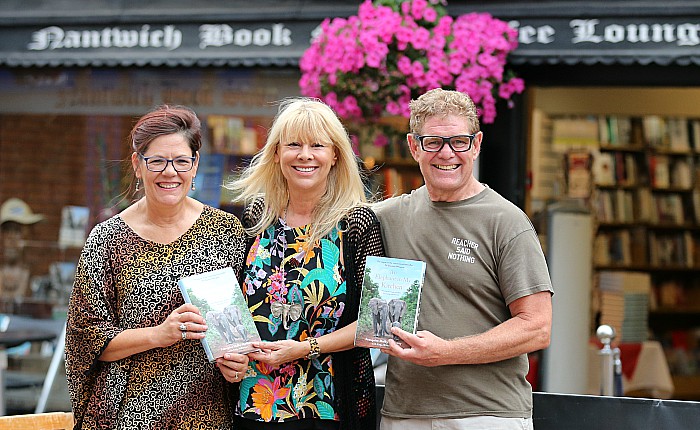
pixel 159 164
pixel 458 143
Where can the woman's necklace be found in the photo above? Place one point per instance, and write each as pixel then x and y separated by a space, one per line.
pixel 279 309
pixel 295 259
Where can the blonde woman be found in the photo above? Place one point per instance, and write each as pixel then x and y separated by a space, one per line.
pixel 310 232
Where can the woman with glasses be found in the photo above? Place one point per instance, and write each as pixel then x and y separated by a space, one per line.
pixel 133 354
pixel 310 233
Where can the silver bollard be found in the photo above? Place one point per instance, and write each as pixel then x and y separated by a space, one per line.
pixel 606 334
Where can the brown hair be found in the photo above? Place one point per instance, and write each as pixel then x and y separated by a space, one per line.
pixel 165 120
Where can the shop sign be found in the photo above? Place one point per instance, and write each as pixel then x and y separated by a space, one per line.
pixel 169 37
pixel 540 39
pixel 599 32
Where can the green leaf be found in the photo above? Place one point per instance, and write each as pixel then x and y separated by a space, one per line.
pixel 324 276
pixel 330 254
pixel 325 411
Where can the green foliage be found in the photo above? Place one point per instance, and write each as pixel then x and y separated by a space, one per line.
pixel 202 304
pixel 411 298
pixel 369 289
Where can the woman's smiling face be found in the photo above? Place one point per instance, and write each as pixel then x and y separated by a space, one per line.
pixel 306 165
pixel 168 187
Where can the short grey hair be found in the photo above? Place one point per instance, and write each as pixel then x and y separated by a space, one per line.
pixel 439 102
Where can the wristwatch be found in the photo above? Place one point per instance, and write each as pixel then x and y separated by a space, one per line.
pixel 315 350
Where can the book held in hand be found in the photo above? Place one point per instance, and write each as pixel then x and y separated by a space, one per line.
pixel 218 296
pixel 390 298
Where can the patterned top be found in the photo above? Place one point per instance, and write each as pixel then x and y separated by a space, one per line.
pixel 293 294
pixel 124 282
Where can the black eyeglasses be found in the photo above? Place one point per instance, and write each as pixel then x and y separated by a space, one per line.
pixel 459 143
pixel 159 164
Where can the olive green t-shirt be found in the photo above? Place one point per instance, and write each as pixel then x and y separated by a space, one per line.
pixel 482 253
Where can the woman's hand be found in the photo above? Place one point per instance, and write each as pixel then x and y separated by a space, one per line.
pixel 233 366
pixel 185 322
pixel 279 352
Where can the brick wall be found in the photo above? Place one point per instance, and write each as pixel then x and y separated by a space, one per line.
pixel 51 161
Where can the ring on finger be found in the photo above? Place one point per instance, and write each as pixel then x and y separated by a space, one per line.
pixel 184 335
pixel 183 327
pixel 235 377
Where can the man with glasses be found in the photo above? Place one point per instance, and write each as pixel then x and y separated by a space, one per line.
pixel 486 301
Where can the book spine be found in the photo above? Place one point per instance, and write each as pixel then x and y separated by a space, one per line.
pixel 186 296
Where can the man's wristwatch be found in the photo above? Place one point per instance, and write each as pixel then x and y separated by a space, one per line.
pixel 315 350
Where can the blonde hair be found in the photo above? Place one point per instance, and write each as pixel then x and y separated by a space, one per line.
pixel 439 102
pixel 303 120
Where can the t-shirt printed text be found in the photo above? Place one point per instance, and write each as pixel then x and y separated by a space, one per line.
pixel 463 250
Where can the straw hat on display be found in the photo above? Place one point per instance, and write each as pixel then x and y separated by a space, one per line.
pixel 18 211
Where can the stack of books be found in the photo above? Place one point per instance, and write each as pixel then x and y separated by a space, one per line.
pixel 624 303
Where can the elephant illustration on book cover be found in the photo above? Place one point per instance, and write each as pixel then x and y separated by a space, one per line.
pixel 386 315
pixel 218 296
pixel 229 324
pixel 390 298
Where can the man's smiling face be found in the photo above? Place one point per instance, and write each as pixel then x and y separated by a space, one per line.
pixel 448 175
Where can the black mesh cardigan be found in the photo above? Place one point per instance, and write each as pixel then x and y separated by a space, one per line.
pixel 354 375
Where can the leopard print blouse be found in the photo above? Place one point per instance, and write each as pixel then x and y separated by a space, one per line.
pixel 124 282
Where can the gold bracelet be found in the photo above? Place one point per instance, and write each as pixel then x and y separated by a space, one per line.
pixel 314 350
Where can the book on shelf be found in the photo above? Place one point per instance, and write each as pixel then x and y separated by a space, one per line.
pixel 574 132
pixel 603 206
pixel 659 171
pixel 654 131
pixel 696 205
pixel 623 247
pixel 681 173
pixel 645 205
pixel 670 293
pixel 391 291
pixel 678 137
pixel 620 130
pixel 694 132
pixel 219 298
pixel 624 206
pixel 672 249
pixel 578 174
pixel 603 168
pixel 669 209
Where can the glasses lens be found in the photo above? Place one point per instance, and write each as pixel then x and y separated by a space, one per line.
pixel 460 143
pixel 156 164
pixel 432 143
pixel 182 164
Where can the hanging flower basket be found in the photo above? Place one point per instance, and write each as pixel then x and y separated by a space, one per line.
pixel 373 64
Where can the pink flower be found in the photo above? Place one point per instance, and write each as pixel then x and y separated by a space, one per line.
pixel 381 140
pixel 377 61
pixel 430 15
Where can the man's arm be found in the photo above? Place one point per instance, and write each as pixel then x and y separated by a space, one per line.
pixel 527 330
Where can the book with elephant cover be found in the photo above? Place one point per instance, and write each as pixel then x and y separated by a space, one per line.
pixel 219 298
pixel 391 291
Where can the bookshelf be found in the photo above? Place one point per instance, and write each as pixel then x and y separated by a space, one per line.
pixel 643 190
pixel 384 152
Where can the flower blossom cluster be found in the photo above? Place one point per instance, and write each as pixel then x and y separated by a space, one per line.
pixel 374 63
